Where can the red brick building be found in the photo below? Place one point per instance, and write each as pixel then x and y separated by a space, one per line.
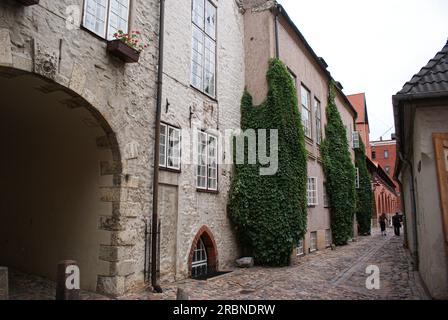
pixel 381 156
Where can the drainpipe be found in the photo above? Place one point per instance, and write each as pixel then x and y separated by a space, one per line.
pixel 277 42
pixel 414 207
pixel 155 199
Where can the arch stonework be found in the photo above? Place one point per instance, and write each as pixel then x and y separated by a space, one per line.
pixel 212 250
pixel 109 193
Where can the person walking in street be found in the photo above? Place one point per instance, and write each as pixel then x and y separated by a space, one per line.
pixel 383 223
pixel 396 221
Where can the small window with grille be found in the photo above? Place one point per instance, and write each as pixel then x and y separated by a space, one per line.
pixel 199 265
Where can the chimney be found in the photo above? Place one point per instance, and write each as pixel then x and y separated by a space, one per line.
pixel 381 138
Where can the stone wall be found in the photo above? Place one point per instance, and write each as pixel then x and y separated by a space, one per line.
pixel 186 107
pixel 36 40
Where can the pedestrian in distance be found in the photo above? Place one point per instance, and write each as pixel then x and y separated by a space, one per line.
pixel 383 223
pixel 396 221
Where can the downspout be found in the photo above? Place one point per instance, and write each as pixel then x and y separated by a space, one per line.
pixel 155 198
pixel 277 42
pixel 414 207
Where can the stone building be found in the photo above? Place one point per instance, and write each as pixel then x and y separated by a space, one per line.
pixel 77 131
pixel 202 88
pixel 421 119
pixel 269 33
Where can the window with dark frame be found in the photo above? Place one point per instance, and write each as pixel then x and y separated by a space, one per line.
pixel 203 60
pixel 106 17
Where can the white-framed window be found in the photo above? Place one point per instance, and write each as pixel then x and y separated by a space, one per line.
pixel 300 248
pixel 318 116
pixel 387 170
pixel 328 238
pixel 326 198
pixel 207 167
pixel 306 111
pixel 199 265
pixel 106 17
pixel 357 178
pixel 355 139
pixel 386 154
pixel 203 59
pixel 312 194
pixel 170 147
pixel 313 241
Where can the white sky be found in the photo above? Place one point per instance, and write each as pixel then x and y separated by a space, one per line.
pixel 373 46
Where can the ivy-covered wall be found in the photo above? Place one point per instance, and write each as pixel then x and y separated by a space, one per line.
pixel 340 173
pixel 270 212
pixel 364 194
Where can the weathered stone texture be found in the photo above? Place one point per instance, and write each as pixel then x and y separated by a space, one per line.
pixel 198 209
pixel 36 39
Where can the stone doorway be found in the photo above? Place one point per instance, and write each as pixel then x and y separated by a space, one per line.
pixel 56 157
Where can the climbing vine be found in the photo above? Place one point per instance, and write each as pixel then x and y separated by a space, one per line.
pixel 364 194
pixel 340 174
pixel 270 211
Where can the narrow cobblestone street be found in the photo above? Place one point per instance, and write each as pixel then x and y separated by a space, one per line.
pixel 325 275
pixel 328 275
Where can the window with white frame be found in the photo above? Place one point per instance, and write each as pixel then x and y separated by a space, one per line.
pixel 106 17
pixel 170 145
pixel 357 178
pixel 356 142
pixel 313 241
pixel 326 198
pixel 312 194
pixel 306 112
pixel 203 59
pixel 386 154
pixel 300 248
pixel 207 167
pixel 328 238
pixel 318 111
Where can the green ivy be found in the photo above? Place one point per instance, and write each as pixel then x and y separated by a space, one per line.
pixel 364 194
pixel 340 174
pixel 270 212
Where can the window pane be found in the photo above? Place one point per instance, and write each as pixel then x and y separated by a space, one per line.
pixel 197 63
pixel 162 154
pixel 210 20
pixel 212 164
pixel 202 161
pixel 118 17
pixel 209 71
pixel 306 112
pixel 95 16
pixel 174 148
pixel 318 111
pixel 198 13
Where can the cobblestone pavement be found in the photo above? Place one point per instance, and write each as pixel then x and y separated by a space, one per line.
pixel 326 275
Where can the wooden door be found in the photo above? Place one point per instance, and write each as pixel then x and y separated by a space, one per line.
pixel 441 151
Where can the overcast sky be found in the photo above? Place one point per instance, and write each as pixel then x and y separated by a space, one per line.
pixel 373 46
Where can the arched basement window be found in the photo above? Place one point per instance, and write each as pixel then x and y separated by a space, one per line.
pixel 199 266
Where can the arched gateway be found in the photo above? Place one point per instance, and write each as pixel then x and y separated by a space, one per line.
pixel 60 180
pixel 203 259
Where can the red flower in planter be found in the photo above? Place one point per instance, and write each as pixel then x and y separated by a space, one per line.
pixel 132 39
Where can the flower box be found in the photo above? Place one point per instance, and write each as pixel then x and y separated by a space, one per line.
pixel 122 51
pixel 28 2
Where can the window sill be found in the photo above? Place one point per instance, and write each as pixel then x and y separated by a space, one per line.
pixel 94 34
pixel 207 191
pixel 170 170
pixel 204 94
